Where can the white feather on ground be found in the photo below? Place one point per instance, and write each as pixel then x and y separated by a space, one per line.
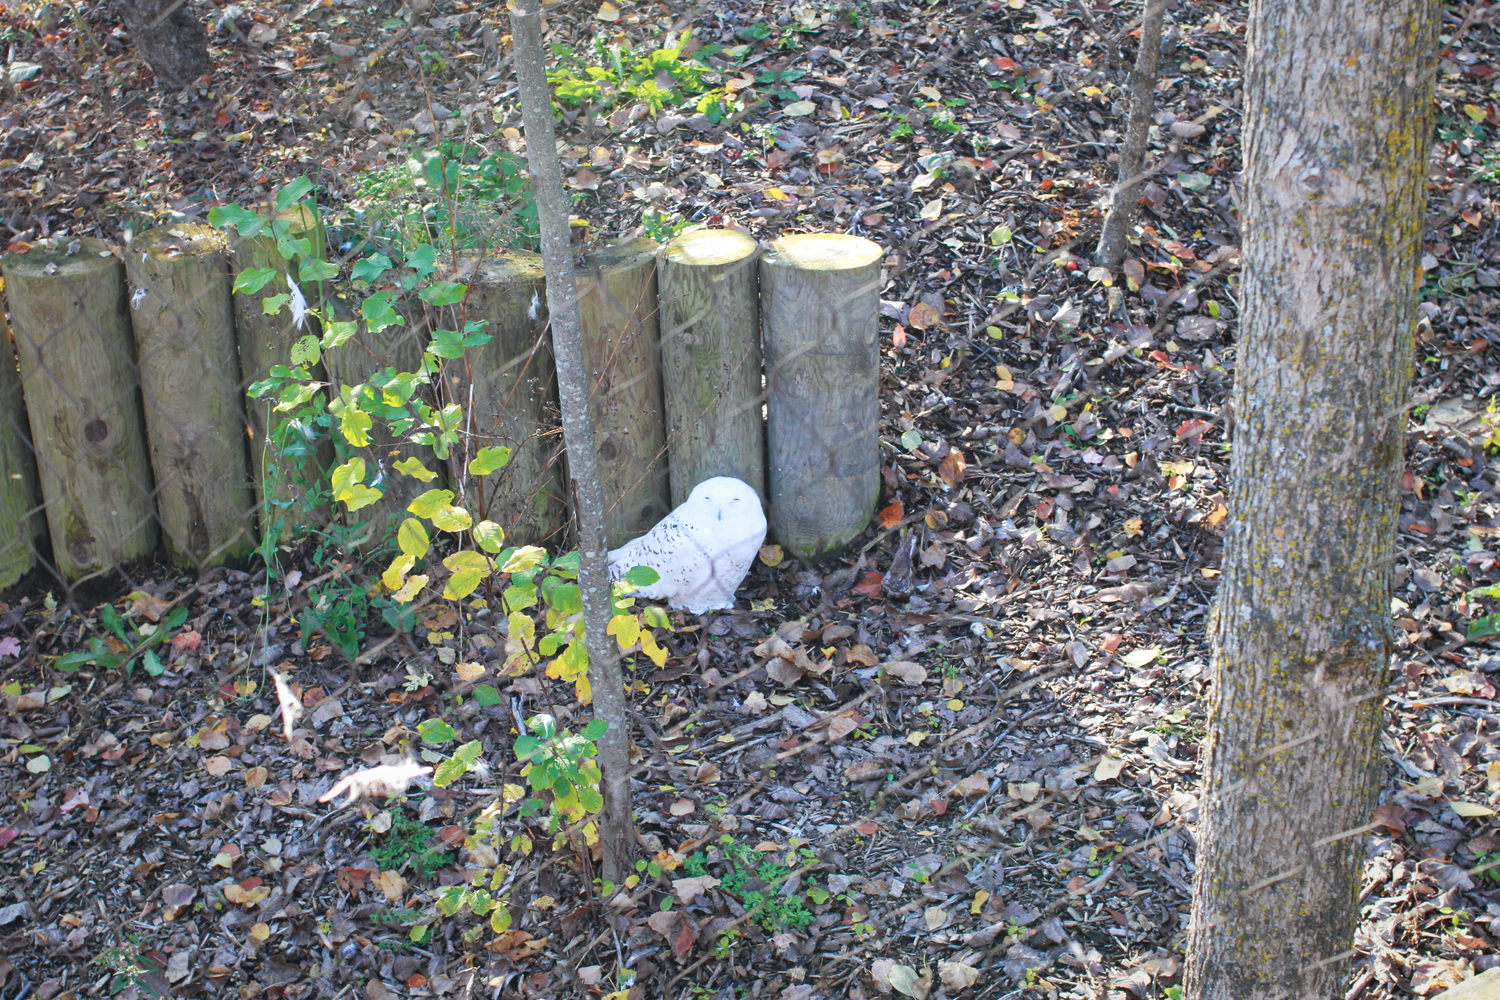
pixel 702 550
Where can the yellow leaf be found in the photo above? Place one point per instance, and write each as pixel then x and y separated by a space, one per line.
pixel 774 194
pixel 932 211
pixel 626 629
pixel 1476 112
pixel 412 538
pixel 410 589
pixel 771 555
pixel 413 467
pixel 395 574
pixel 651 649
pixel 1468 809
pixel 606 12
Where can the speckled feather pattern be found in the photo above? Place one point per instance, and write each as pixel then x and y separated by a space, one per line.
pixel 702 550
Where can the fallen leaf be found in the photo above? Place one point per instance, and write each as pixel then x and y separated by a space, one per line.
pixel 888 518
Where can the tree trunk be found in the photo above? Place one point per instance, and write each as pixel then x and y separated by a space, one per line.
pixel 1113 239
pixel 169 37
pixel 618 827
pixel 1339 119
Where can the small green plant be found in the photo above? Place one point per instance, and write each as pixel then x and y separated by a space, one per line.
pixel 1487 866
pixel 406 844
pixel 126 640
pixel 1485 625
pixel 756 880
pixel 454 195
pixel 944 121
pixel 131 969
pixel 903 128
pixel 663 226
pixel 614 71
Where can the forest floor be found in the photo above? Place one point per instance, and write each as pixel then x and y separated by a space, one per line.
pixel 964 760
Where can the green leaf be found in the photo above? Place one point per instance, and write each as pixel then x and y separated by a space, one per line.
pixel 250 281
pixel 595 729
pixel 292 192
pixel 487 695
pixel 436 731
pixel 468 568
pixel 317 270
pixel 641 576
pixel 152 664
pixel 520 596
pixel 335 332
pixel 306 351
pixel 378 311
pixel 371 267
pixel 590 799
pixel 489 536
pixel 446 344
pixel 70 662
pixel 244 221
pixel 110 619
pixel 458 765
pixel 488 460
pixel 413 467
pixel 443 293
pixel 430 502
pixel 910 440
pixel 273 304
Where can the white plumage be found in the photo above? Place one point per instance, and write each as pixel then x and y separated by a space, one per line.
pixel 702 550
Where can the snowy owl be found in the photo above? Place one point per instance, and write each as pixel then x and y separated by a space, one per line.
pixel 702 550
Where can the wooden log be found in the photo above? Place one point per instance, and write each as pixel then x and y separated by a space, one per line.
pixel 372 529
pixel 820 301
pixel 710 351
pixel 617 305
pixel 508 389
pixel 22 528
pixel 190 385
pixel 78 375
pixel 284 475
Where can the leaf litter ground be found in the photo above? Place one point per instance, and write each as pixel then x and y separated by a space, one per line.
pixel 975 741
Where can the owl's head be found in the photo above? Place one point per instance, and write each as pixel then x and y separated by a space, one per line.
pixel 724 497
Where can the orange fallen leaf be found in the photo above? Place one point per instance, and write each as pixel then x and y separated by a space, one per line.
pixel 890 516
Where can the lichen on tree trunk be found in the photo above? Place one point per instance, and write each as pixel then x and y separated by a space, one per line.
pixel 1339 101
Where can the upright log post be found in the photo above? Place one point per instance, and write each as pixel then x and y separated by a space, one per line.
pixel 78 375
pixel 617 300
pixel 820 301
pixel 190 384
pixel 281 474
pixel 710 350
pixel 508 389
pixel 21 526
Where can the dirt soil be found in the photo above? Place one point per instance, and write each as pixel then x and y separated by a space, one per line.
pixel 974 742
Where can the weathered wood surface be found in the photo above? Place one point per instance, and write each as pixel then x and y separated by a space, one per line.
pixel 508 389
pixel 265 341
pixel 820 308
pixel 190 387
pixel 710 349
pixel 617 300
pixel 78 375
pixel 22 526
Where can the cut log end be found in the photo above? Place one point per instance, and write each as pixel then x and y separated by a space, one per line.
pixel 93 257
pixel 710 247
pixel 186 239
pixel 823 252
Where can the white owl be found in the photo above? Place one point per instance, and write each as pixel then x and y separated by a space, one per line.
pixel 702 550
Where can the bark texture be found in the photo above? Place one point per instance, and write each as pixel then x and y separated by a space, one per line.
pixel 169 36
pixel 617 831
pixel 1338 106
